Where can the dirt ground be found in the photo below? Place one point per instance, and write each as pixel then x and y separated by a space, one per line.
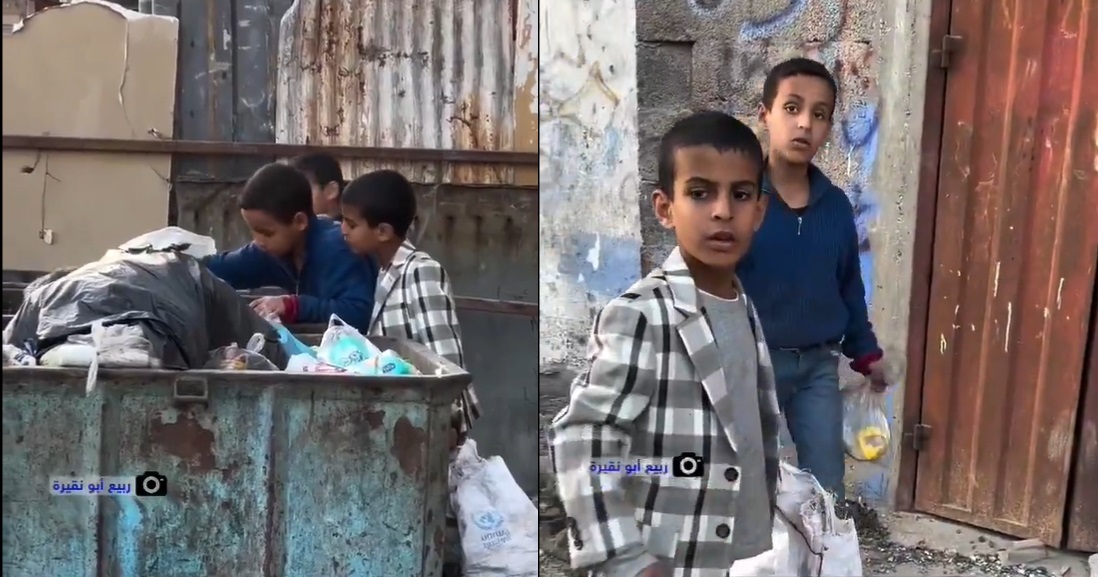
pixel 893 544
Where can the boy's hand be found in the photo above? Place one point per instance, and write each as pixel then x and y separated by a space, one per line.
pixel 269 307
pixel 878 376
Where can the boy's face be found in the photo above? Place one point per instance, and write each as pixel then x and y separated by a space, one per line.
pixel 716 206
pixel 273 236
pixel 363 239
pixel 799 120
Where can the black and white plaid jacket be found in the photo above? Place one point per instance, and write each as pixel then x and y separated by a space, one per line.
pixel 414 302
pixel 655 388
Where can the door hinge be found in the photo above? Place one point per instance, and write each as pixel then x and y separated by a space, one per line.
pixel 951 44
pixel 918 437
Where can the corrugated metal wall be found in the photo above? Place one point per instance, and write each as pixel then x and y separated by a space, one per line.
pixel 403 73
pixel 400 73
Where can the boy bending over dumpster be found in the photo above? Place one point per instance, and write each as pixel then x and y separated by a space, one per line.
pixel 294 250
pixel 413 299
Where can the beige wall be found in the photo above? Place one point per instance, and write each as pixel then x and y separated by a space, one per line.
pixel 85 70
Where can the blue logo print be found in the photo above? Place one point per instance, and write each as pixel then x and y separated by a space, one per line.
pixel 488 520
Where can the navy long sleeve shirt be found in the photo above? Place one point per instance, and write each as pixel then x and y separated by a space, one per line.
pixel 804 275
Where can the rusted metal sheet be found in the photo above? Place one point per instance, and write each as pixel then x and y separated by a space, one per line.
pixel 1014 263
pixel 257 149
pixel 526 85
pixel 1082 531
pixel 226 77
pixel 278 474
pixel 487 238
pixel 401 73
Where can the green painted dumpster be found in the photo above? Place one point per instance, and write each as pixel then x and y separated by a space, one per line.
pixel 268 474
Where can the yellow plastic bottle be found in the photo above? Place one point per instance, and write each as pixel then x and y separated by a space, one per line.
pixel 872 442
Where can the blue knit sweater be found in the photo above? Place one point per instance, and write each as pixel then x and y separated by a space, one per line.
pixel 804 275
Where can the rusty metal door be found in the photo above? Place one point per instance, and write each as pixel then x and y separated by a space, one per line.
pixel 1082 531
pixel 1015 252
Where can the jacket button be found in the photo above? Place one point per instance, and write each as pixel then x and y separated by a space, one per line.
pixel 723 531
pixel 731 475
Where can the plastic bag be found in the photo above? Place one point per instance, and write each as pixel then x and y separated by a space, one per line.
pixel 866 431
pixel 235 358
pixel 304 363
pixel 172 238
pixel 119 346
pixel 809 540
pixel 496 520
pixel 17 357
pixel 343 346
pixel 182 309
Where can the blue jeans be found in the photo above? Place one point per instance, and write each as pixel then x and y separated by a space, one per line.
pixel 808 393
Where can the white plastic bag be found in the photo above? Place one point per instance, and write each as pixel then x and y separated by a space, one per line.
pixel 172 237
pixel 866 432
pixel 343 346
pixel 809 540
pixel 497 522
pixel 120 346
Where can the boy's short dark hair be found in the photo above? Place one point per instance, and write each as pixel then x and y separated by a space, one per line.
pixel 321 166
pixel 797 67
pixel 706 128
pixel 382 196
pixel 279 190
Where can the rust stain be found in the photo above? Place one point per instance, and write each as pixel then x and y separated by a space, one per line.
pixel 185 438
pixel 409 444
pixel 375 419
pixel 440 538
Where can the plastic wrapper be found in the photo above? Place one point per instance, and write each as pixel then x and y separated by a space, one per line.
pixel 342 346
pixel 235 358
pixel 866 429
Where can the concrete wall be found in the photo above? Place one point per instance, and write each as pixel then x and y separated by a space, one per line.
pixel 694 54
pixel 587 142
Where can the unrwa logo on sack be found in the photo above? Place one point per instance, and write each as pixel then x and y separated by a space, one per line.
pixel 488 520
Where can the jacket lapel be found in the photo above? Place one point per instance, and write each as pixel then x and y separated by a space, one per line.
pixel 697 337
pixel 388 279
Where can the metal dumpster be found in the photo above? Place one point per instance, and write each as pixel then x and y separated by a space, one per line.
pixel 269 474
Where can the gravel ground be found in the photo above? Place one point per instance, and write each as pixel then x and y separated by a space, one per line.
pixel 881 554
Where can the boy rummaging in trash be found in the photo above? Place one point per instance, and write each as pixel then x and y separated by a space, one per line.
pixel 679 371
pixel 413 300
pixel 803 271
pixel 294 250
pixel 326 179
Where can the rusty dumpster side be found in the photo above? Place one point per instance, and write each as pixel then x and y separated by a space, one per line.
pixel 272 475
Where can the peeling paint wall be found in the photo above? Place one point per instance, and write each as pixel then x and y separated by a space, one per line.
pixel 695 54
pixel 589 219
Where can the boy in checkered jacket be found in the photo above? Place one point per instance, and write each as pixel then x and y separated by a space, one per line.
pixel 679 372
pixel 413 299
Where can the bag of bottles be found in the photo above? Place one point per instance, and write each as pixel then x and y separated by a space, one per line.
pixel 866 430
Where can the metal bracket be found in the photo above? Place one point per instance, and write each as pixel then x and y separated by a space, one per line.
pixel 918 437
pixel 190 389
pixel 950 45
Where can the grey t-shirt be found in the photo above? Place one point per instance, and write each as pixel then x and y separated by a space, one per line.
pixel 751 529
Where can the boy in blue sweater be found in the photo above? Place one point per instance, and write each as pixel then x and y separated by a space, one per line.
pixel 294 250
pixel 803 271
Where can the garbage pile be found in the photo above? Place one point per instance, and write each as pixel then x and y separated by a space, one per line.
pixel 151 304
pixel 342 350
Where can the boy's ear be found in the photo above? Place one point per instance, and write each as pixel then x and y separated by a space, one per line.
pixel 760 209
pixel 762 112
pixel 331 191
pixel 385 232
pixel 661 205
pixel 301 221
